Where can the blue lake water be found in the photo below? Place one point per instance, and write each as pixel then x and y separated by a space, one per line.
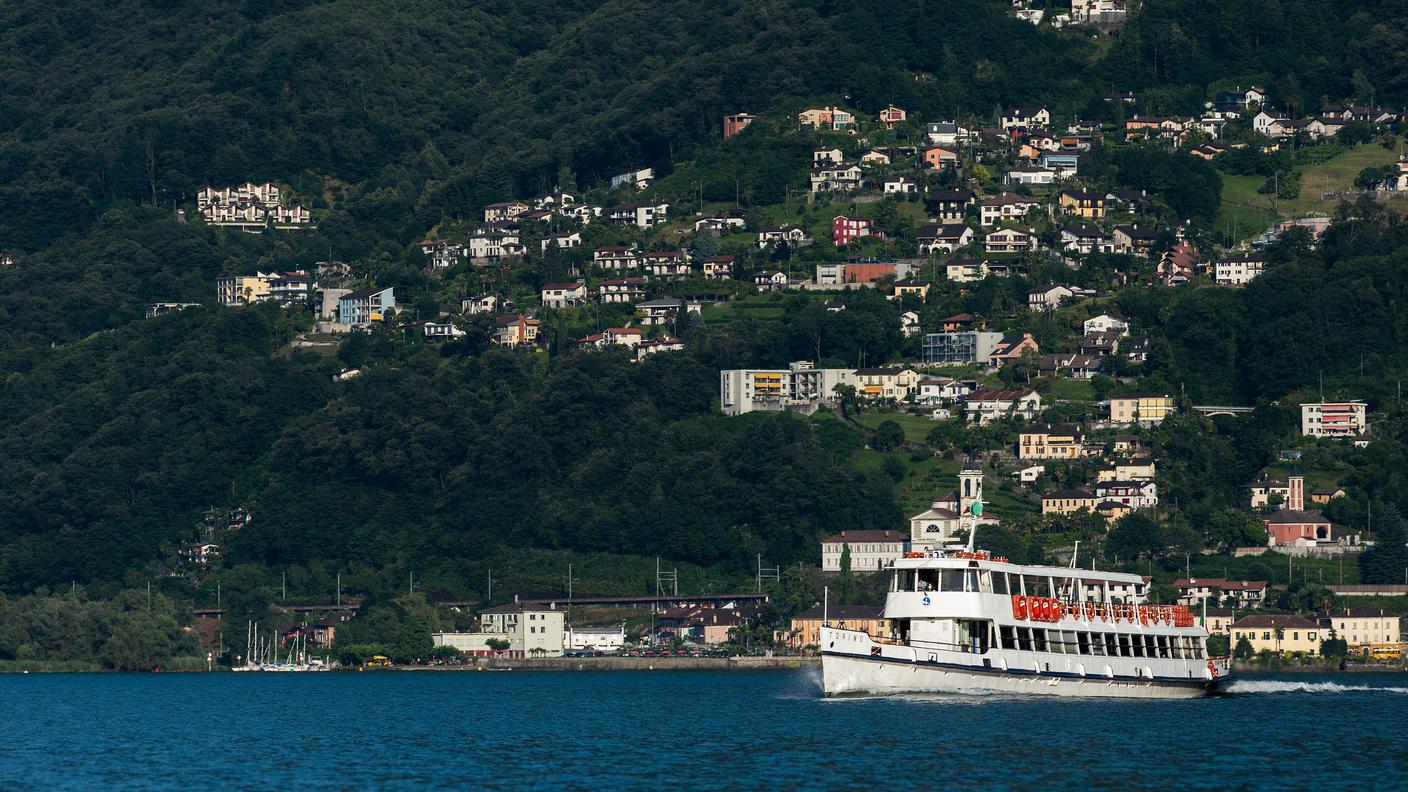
pixel 680 730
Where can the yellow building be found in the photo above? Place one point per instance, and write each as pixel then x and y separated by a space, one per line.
pixel 1112 510
pixel 886 383
pixel 806 626
pixel 1128 470
pixel 919 289
pixel 1068 501
pixel 243 289
pixel 1043 441
pixel 1280 634
pixel 1089 204
pixel 1144 409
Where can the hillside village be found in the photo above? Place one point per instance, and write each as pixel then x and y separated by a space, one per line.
pixel 369 323
pixel 907 219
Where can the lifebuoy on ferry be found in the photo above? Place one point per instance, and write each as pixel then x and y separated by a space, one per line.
pixel 1212 668
pixel 1019 606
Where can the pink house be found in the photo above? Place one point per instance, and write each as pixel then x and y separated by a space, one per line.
pixel 891 116
pixel 937 158
pixel 1294 525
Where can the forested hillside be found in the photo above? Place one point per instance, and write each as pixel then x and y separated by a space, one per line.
pixel 392 119
pixel 402 112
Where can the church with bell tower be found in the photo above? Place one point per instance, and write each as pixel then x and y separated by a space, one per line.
pixel 947 517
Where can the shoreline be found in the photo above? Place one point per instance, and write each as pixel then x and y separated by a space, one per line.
pixel 615 663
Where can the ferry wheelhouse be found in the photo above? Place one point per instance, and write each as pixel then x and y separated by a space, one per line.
pixel 963 621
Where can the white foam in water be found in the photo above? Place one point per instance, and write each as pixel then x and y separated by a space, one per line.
pixel 1281 686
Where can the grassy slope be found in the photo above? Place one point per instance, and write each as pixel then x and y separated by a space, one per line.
pixel 1246 212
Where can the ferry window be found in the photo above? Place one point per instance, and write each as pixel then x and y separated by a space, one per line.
pixel 1024 639
pixel 1056 642
pixel 1037 586
pixel 1163 646
pixel 1083 641
pixel 1038 639
pixel 928 580
pixel 1097 644
pixel 1122 643
pixel 959 580
pixel 999 583
pixel 1069 638
pixel 1006 638
pixel 985 581
pixel 1111 645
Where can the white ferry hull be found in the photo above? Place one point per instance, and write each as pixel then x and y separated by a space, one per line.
pixel 856 675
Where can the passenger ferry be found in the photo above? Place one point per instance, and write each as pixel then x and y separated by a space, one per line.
pixel 963 621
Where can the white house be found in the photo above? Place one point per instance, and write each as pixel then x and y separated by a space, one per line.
pixel 1238 270
pixel 1030 175
pixel 770 281
pixel 1026 118
pixel 563 295
pixel 562 241
pixel 944 238
pixel 792 235
pixel 1004 206
pixel 942 390
pixel 1105 323
pixel 532 630
pixel 595 639
pixel 639 179
pixel 1047 298
pixel 983 407
pixel 900 185
pixel 1009 240
pixel 640 215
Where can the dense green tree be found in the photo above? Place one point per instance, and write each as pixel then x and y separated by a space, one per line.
pixel 888 436
pixel 1387 560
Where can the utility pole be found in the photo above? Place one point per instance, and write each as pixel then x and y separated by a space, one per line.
pixel 570 580
pixel 149 596
pixel 338 596
pixel 217 592
pixel 283 583
pixel 413 582
pixel 490 596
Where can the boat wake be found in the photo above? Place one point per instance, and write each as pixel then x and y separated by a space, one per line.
pixel 1252 686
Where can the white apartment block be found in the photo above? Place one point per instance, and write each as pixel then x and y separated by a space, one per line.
pixel 1237 270
pixel 799 386
pixel 250 207
pixel 1333 419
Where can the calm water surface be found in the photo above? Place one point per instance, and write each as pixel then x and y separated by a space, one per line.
pixel 680 730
